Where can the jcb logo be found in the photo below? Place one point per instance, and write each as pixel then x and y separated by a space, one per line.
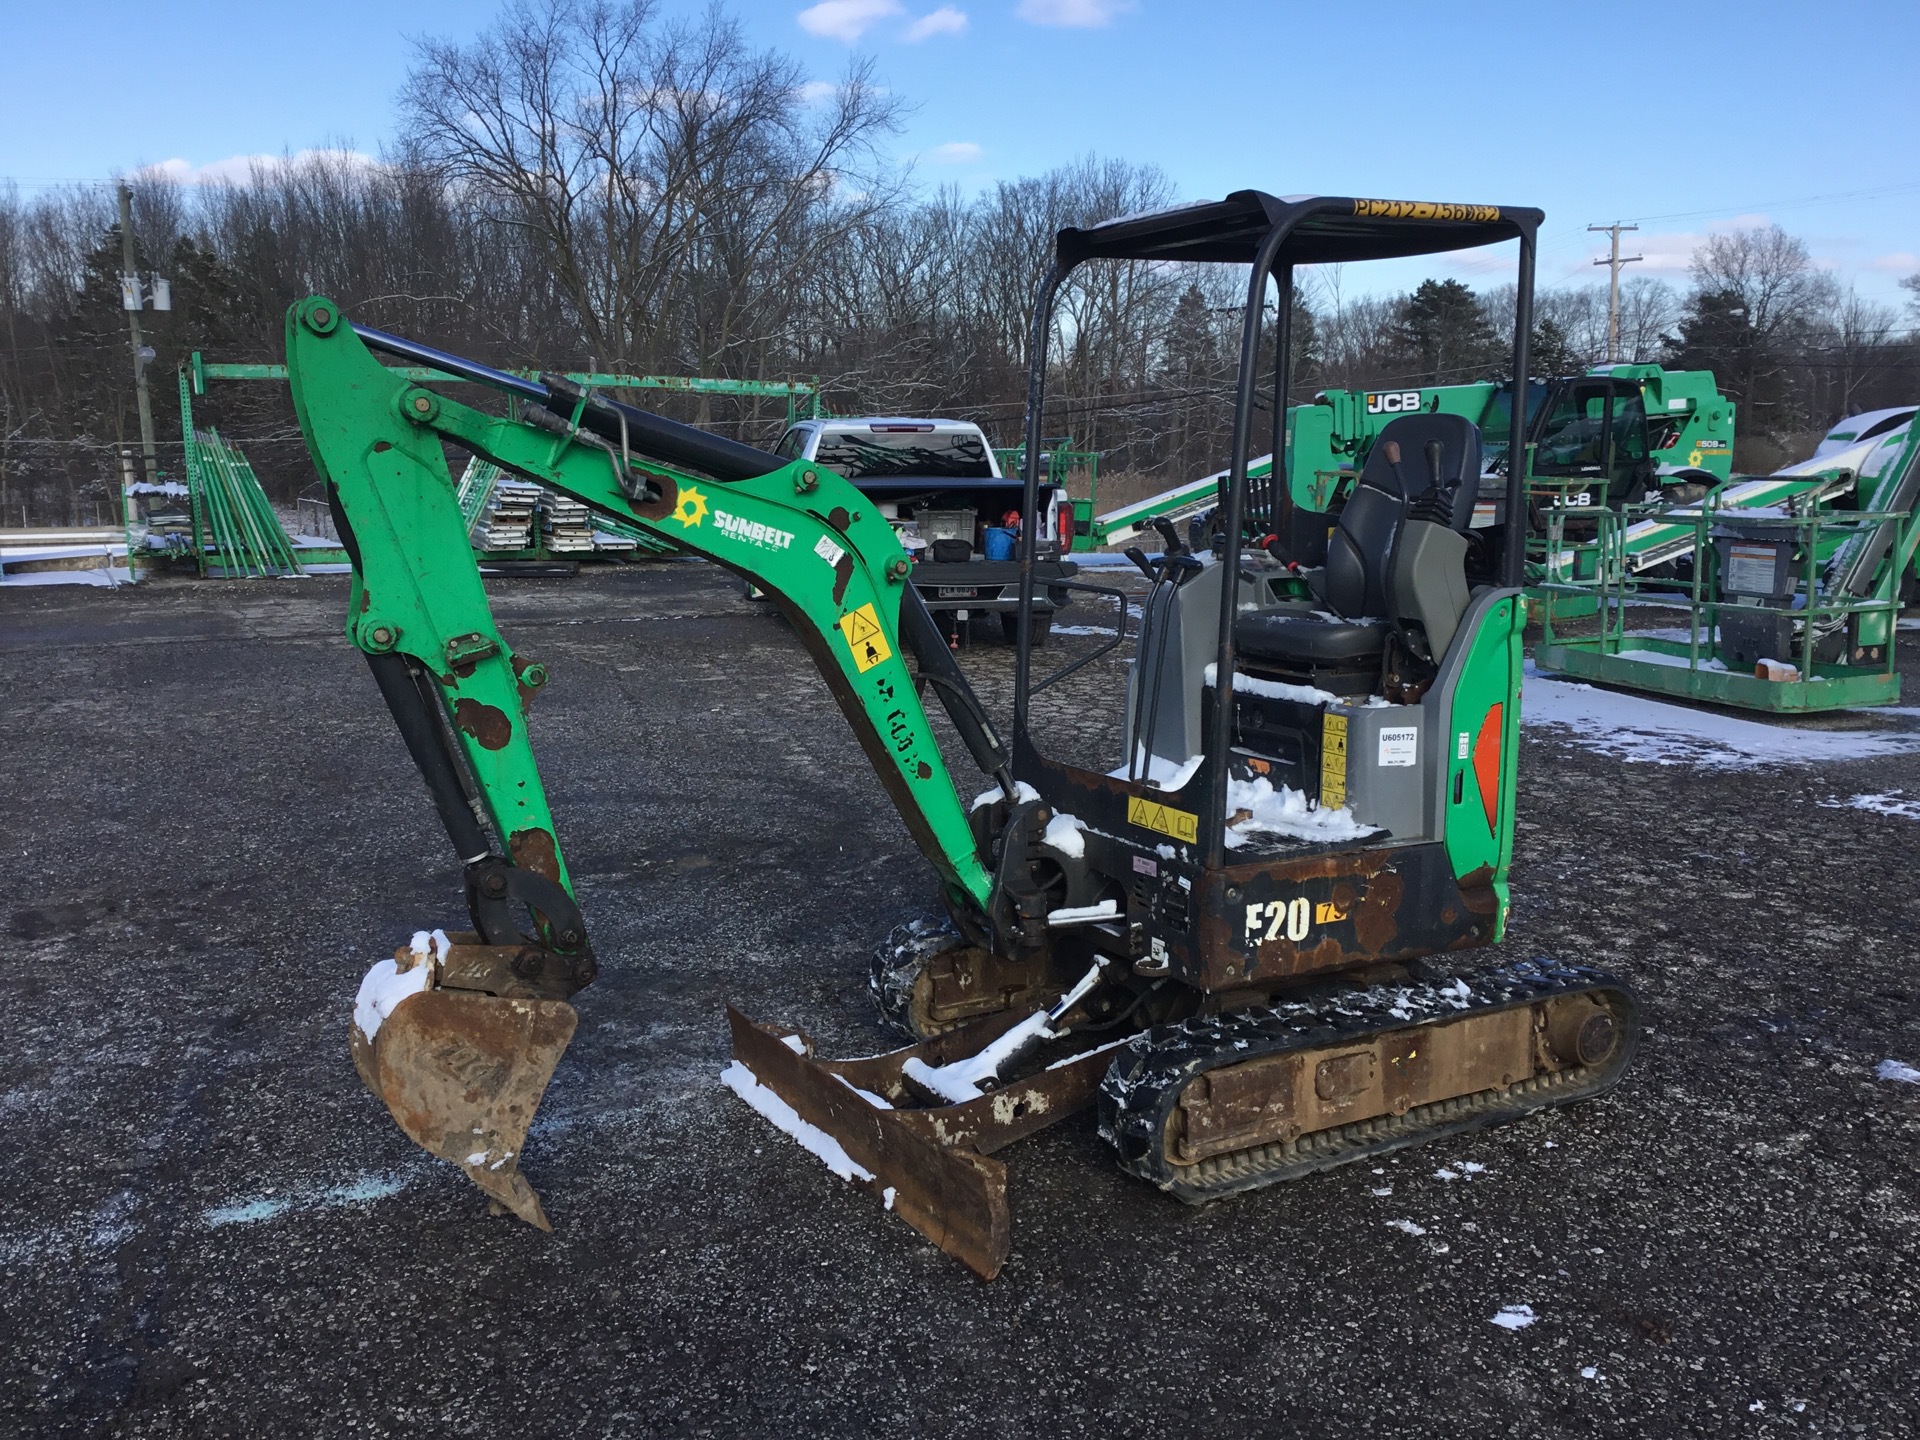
pixel 1397 402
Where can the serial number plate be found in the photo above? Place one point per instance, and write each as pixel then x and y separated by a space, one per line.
pixel 955 592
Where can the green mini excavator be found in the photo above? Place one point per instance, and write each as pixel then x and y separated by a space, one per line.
pixel 1234 944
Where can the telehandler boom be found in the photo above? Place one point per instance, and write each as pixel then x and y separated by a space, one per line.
pixel 1229 943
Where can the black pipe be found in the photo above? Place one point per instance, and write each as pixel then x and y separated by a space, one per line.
pixel 1514 561
pixel 649 434
pixel 1030 487
pixel 1279 517
pixel 1219 743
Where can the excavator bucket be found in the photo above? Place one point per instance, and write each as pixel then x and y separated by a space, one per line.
pixel 462 1072
pixel 870 1122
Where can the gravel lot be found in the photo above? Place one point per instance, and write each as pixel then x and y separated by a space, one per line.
pixel 209 1228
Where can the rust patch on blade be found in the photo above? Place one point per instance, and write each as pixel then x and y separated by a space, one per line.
pixel 463 1074
pixel 487 724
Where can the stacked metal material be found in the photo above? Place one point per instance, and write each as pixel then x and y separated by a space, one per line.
pixel 505 521
pixel 566 526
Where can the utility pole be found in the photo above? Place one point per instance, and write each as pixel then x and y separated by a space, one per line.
pixel 1613 264
pixel 130 300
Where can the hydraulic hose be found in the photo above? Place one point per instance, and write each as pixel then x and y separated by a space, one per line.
pixel 653 435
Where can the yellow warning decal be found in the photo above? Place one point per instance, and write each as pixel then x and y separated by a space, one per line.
pixel 865 638
pixel 1333 761
pixel 1163 819
pixel 1426 210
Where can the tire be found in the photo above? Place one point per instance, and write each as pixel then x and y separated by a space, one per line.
pixel 898 963
pixel 1010 627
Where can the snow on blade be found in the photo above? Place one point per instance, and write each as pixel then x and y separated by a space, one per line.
pixel 1641 730
pixel 960 1082
pixel 388 983
pixel 1894 1070
pixel 1515 1317
pixel 782 1116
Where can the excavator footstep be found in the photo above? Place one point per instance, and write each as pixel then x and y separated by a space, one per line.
pixel 930 1163
pixel 463 1074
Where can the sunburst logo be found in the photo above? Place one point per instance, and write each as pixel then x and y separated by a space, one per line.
pixel 692 509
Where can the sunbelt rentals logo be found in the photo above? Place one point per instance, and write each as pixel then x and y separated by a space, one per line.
pixel 752 531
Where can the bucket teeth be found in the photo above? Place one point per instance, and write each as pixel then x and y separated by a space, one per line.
pixel 463 1073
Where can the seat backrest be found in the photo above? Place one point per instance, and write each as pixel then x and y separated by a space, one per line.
pixel 1361 547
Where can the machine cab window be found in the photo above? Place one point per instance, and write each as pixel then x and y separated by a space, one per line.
pixel 1595 427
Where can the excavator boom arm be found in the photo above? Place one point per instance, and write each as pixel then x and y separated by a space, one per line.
pixel 420 613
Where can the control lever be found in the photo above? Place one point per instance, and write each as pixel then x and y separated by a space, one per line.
pixel 1175 545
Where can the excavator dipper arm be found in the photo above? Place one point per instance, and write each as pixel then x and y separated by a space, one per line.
pixel 459 1035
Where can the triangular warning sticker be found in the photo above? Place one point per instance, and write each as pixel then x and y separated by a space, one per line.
pixel 865 638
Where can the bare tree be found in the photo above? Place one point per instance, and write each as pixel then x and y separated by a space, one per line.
pixel 675 182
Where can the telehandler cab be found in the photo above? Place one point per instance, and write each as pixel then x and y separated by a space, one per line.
pixel 1229 943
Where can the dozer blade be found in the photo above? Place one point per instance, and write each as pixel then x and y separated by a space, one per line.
pixel 930 1164
pixel 463 1074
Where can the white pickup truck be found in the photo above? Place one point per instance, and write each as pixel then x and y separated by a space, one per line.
pixel 939 483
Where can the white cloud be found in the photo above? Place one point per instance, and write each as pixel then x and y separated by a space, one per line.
pixel 240 168
pixel 944 21
pixel 845 20
pixel 1079 14
pixel 814 91
pixel 1900 262
pixel 955 152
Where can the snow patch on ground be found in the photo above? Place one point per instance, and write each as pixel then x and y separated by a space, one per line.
pixel 1407 1227
pixel 1515 1317
pixel 271 1207
pixel 1894 1070
pixel 1893 802
pixel 782 1116
pixel 1641 730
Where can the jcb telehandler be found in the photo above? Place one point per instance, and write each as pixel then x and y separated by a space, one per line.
pixel 1230 942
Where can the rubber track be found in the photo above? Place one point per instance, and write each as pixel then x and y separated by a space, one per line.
pixel 1148 1075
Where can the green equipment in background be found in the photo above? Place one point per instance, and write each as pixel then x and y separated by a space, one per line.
pixel 1618 433
pixel 1788 585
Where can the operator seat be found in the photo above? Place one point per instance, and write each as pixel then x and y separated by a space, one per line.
pixel 1374 574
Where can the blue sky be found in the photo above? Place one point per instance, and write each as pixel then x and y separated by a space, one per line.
pixel 1686 116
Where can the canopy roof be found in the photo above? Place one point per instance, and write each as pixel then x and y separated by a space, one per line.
pixel 1325 229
